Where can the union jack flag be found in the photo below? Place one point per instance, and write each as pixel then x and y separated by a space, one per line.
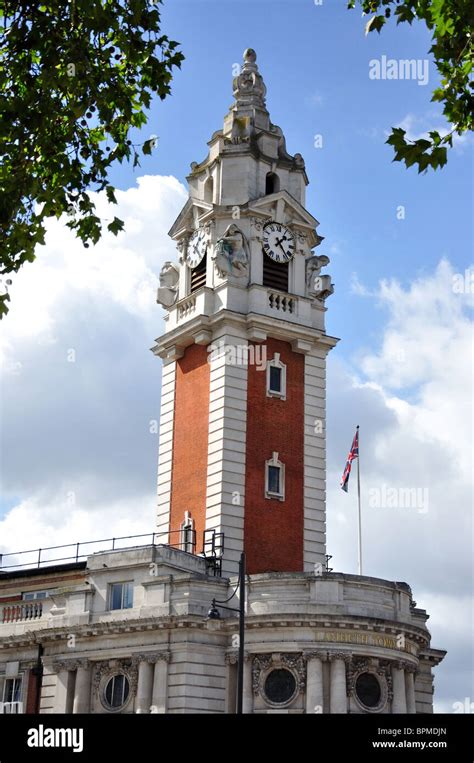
pixel 353 453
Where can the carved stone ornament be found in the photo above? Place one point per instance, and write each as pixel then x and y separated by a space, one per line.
pixel 182 247
pixel 384 670
pixel 150 657
pixel 74 664
pixel 232 253
pixel 263 663
pixel 168 289
pixel 258 223
pixel 356 666
pixel 316 655
pixel 260 664
pixel 104 670
pixel 318 286
pixel 299 161
pixel 249 86
pixel 381 668
pixel 232 658
pixel 345 656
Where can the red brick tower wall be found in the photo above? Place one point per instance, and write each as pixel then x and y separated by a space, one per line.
pixel 273 529
pixel 190 438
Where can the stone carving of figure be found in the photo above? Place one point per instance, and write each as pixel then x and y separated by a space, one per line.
pixel 318 286
pixel 168 288
pixel 232 253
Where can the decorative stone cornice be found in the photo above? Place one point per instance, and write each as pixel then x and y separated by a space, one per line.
pixel 150 657
pixel 87 630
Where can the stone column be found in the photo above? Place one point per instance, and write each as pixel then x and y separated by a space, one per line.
pixel 338 694
pixel 159 697
pixel 399 702
pixel 410 688
pixel 64 697
pixel 248 688
pixel 314 682
pixel 145 683
pixel 82 691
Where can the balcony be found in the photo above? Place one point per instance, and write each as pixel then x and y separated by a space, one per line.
pixel 15 613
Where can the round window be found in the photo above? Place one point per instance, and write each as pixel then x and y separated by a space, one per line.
pixel 280 686
pixel 368 690
pixel 116 691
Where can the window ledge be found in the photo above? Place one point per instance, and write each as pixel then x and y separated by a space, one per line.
pixel 275 496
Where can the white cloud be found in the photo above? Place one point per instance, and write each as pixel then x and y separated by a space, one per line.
pixel 122 269
pixel 413 400
pixel 79 384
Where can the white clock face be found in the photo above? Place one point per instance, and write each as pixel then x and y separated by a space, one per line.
pixel 278 242
pixel 196 248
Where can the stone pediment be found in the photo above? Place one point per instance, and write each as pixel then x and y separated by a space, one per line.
pixel 283 203
pixel 284 208
pixel 185 219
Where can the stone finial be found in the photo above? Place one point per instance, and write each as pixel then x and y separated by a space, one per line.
pixel 250 55
pixel 248 86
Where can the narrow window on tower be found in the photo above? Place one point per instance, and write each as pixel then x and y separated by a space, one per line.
pixel 276 378
pixel 272 183
pixel 188 535
pixel 275 478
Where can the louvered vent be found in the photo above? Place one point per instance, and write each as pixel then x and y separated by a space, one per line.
pixel 198 275
pixel 275 274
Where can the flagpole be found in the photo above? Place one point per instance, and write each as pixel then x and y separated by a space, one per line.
pixel 358 498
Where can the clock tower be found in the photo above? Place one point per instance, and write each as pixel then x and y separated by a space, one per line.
pixel 243 410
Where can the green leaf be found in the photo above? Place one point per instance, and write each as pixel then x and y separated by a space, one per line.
pixel 375 24
pixel 69 89
pixel 115 226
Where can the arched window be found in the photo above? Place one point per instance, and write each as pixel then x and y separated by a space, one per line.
pixel 209 190
pixel 272 183
pixel 276 377
pixel 275 478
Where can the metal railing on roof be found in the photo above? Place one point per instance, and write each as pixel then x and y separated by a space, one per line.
pixel 41 557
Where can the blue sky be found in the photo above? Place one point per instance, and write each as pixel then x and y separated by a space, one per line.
pixel 79 452
pixel 315 62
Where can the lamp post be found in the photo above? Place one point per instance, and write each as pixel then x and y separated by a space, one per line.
pixel 214 614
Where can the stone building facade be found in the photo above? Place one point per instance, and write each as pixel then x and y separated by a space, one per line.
pixel 241 469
